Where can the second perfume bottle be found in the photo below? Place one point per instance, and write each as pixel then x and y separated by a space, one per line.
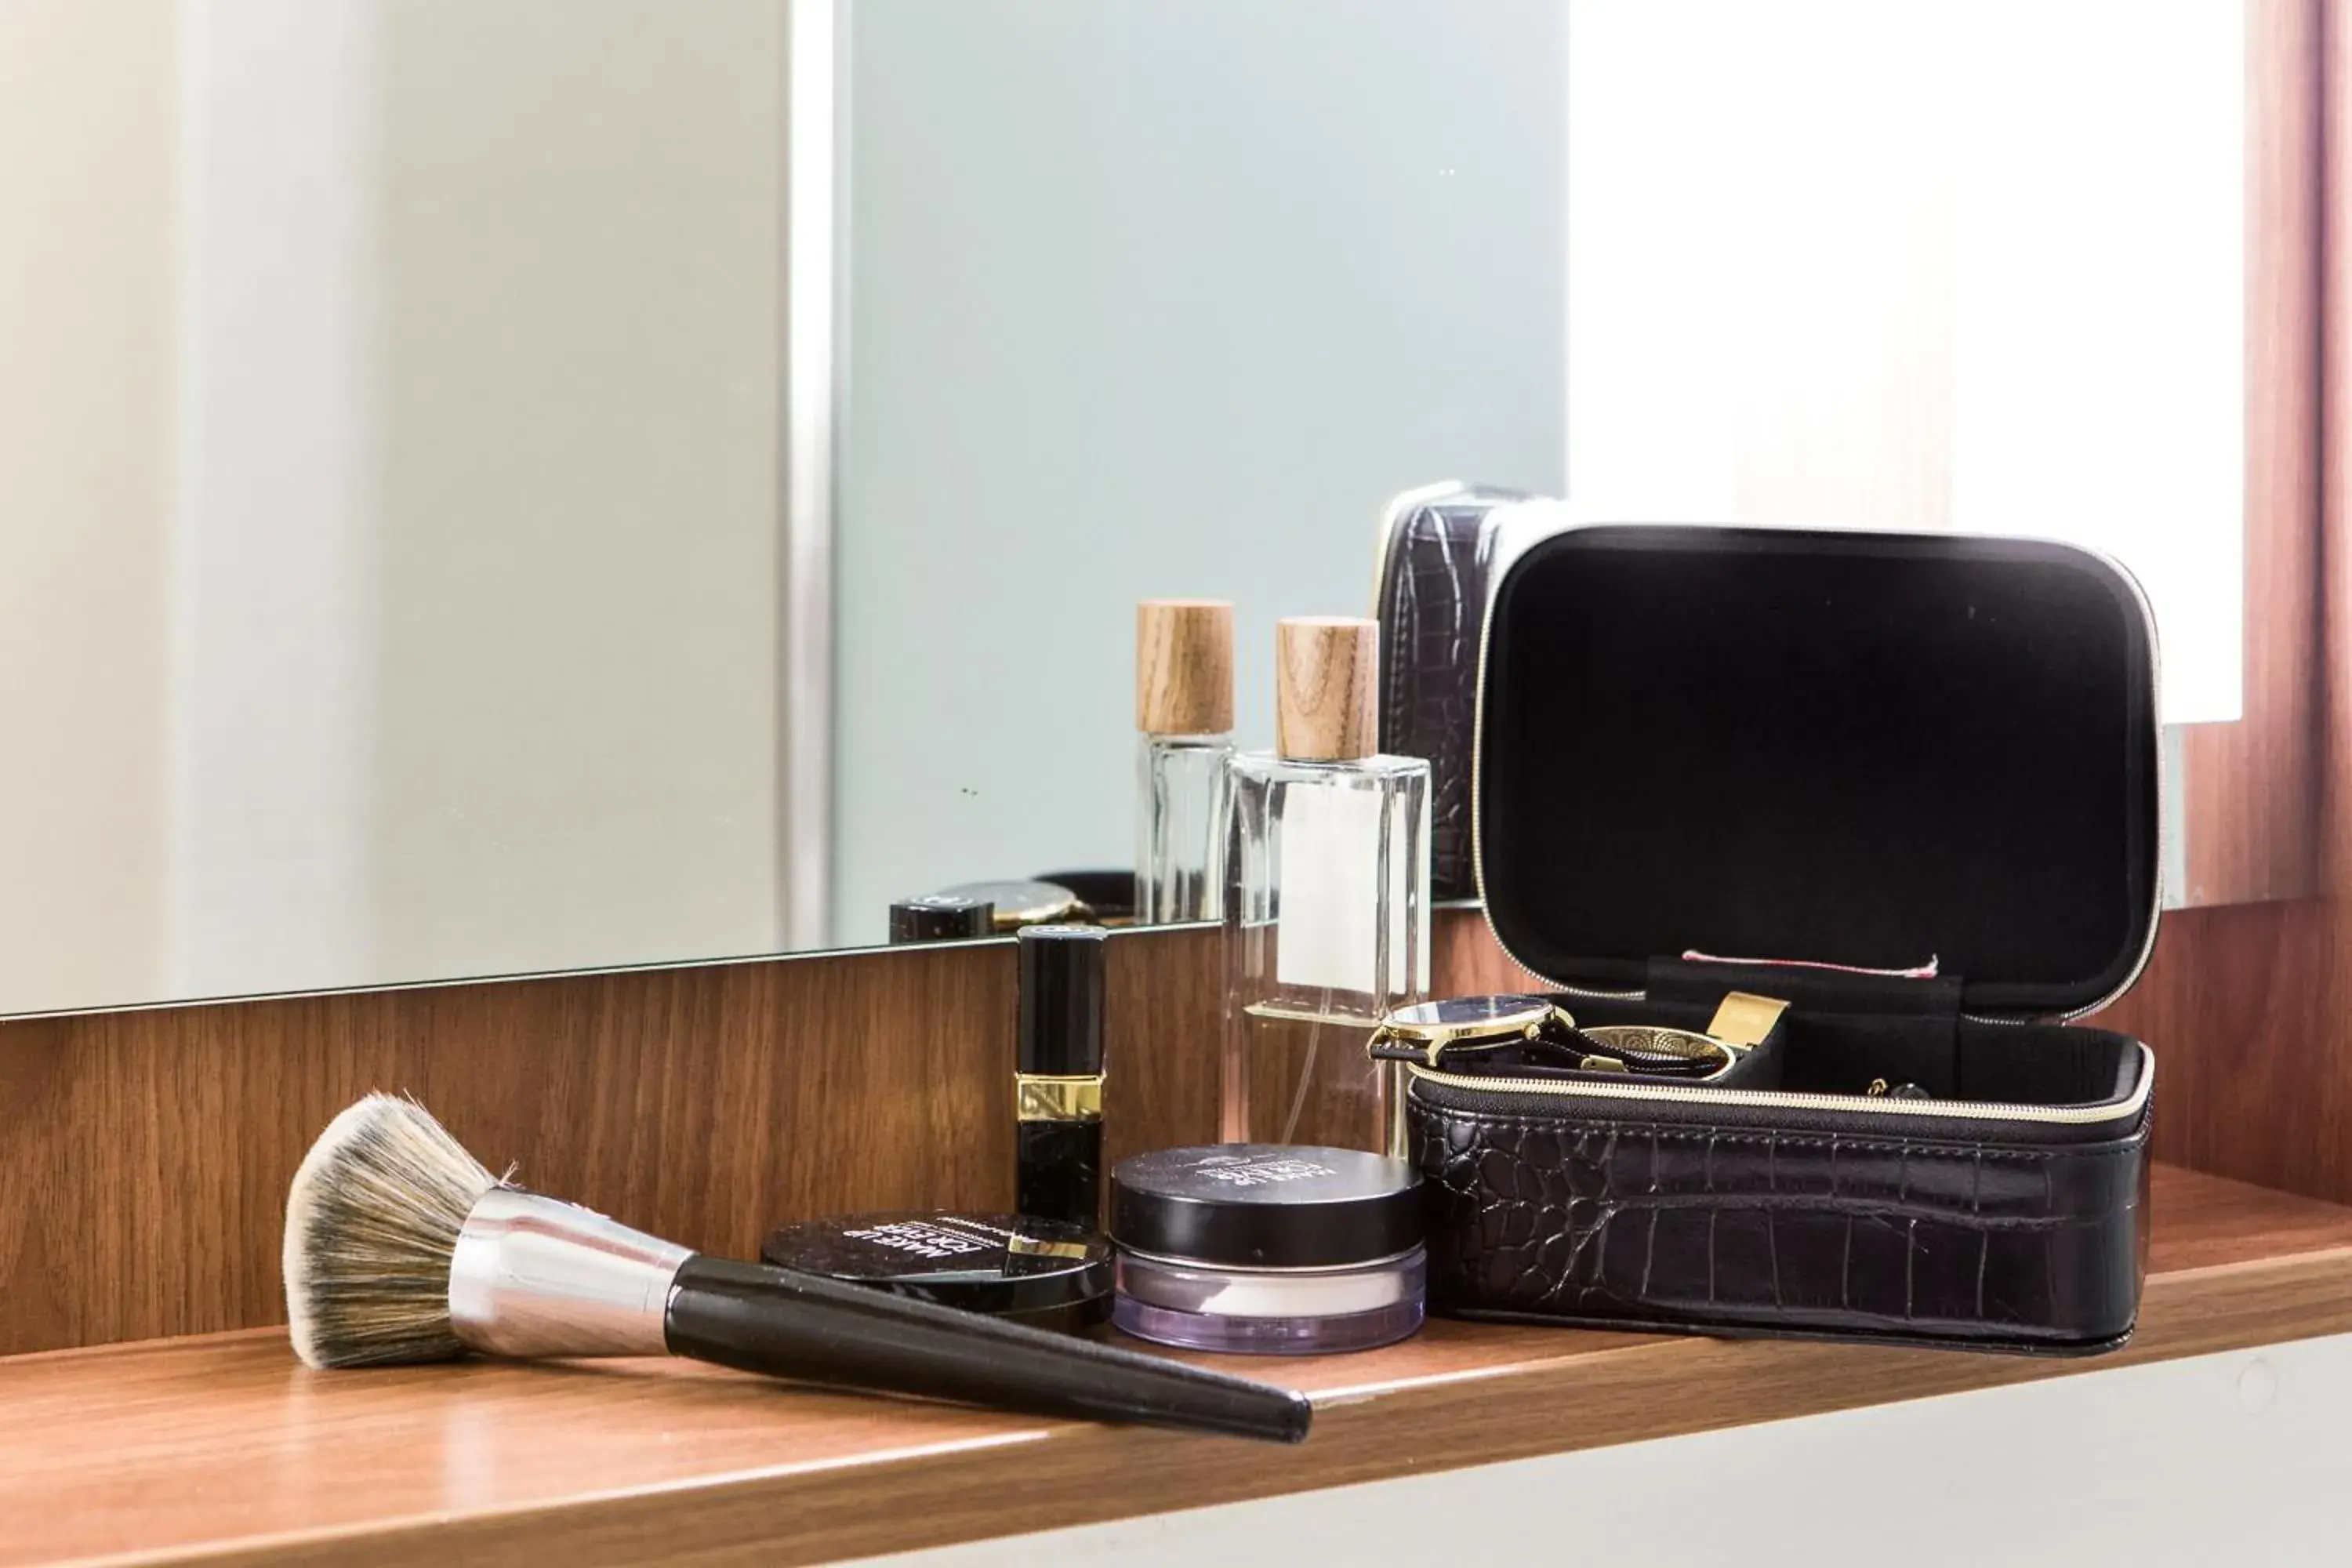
pixel 1326 926
pixel 1184 710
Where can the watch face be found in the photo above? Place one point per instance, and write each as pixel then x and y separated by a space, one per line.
pixel 1471 1016
pixel 1018 903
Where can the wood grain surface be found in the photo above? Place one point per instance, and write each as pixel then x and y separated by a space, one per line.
pixel 2244 1007
pixel 1327 688
pixel 2249 1007
pixel 226 1445
pixel 2334 672
pixel 1184 667
pixel 1464 959
pixel 144 1155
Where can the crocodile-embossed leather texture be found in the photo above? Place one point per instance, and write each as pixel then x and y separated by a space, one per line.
pixel 1433 609
pixel 1756 1230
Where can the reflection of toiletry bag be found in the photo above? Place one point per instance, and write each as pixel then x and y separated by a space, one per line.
pixel 1912 783
pixel 1430 582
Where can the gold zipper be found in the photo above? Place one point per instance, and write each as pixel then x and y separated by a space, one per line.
pixel 2156 691
pixel 1773 1099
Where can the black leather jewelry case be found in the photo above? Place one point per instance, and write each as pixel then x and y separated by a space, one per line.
pixel 1437 549
pixel 1907 783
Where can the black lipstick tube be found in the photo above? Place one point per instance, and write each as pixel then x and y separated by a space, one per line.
pixel 1057 1080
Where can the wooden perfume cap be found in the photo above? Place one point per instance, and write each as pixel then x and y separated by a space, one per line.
pixel 1326 696
pixel 1184 667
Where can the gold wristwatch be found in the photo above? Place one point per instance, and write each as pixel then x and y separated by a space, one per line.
pixel 1452 1033
pixel 1019 904
pixel 1424 1031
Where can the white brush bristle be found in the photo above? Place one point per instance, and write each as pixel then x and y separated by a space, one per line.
pixel 370 1222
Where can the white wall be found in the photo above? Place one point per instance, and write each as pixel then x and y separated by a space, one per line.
pixel 88 236
pixel 279 450
pixel 392 396
pixel 1952 264
pixel 1147 298
pixel 575 732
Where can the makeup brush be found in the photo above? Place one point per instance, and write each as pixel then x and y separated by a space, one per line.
pixel 400 1246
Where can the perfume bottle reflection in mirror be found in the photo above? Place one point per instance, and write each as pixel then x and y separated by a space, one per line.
pixel 1329 925
pixel 1184 710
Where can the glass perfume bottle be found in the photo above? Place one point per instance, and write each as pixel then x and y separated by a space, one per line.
pixel 1184 708
pixel 1327 922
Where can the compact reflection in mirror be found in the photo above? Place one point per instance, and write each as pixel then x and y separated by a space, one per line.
pixel 1184 719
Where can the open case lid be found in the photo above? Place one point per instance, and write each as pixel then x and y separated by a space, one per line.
pixel 1852 749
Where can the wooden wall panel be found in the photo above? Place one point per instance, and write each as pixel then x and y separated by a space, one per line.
pixel 2244 1007
pixel 2249 1007
pixel 1464 959
pixel 2334 674
pixel 144 1155
pixel 2250 788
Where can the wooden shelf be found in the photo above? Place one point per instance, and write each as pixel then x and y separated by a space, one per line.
pixel 223 1446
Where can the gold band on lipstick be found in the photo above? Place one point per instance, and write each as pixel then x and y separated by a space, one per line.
pixel 1043 1097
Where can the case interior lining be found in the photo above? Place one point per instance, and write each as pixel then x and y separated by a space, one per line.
pixel 1865 749
pixel 1951 1058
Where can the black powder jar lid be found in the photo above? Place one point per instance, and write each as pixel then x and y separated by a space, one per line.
pixel 1265 1206
pixel 1042 1273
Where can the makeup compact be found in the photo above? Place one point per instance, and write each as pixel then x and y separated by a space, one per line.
pixel 1267 1249
pixel 941 917
pixel 1034 1271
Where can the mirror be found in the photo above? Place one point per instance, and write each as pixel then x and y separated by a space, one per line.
pixel 521 485
pixel 501 486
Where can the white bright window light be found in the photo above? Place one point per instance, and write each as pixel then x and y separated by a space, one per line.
pixel 1935 264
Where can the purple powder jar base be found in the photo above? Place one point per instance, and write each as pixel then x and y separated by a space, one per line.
pixel 1267 1336
pixel 1267 1249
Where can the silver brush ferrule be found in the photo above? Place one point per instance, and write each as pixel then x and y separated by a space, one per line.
pixel 535 1276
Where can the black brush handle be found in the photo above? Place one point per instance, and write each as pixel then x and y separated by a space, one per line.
pixel 781 1321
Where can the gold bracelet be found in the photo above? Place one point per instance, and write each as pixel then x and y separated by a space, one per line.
pixel 1682 1048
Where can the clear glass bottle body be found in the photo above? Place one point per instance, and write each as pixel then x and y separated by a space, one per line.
pixel 1326 927
pixel 1180 828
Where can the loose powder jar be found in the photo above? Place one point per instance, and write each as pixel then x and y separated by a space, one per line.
pixel 1040 1272
pixel 1267 1249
